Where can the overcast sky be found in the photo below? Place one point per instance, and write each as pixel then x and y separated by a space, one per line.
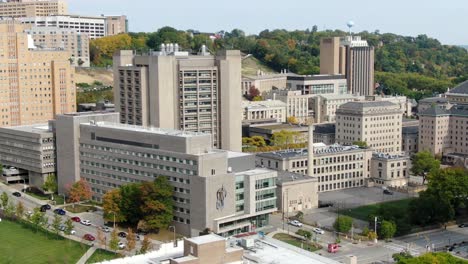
pixel 445 20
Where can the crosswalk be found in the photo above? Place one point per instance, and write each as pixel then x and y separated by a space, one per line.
pixel 401 248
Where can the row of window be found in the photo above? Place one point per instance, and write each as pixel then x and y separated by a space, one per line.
pixel 340 185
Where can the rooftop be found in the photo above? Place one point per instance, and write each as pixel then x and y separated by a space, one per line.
pixel 462 88
pixel 316 77
pixel 283 127
pixel 384 156
pixel 365 105
pixel 439 100
pixel 319 149
pixel 434 111
pixel 286 176
pixel 459 110
pixel 255 171
pixel 37 128
pixel 206 239
pixel 340 96
pixel 325 128
pixel 263 104
pixel 153 130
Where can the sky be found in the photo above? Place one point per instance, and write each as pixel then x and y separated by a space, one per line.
pixel 445 20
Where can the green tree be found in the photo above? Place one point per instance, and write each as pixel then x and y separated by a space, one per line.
pixel 68 226
pixel 130 203
pixel 56 223
pixel 343 224
pixel 50 185
pixel 430 258
pixel 157 203
pixel 111 205
pixel 387 229
pixel 10 209
pixel 306 234
pixel 145 245
pixel 4 198
pixel 361 144
pixel 38 218
pixel 114 241
pixel 424 163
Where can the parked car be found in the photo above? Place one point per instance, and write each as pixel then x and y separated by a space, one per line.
pixel 63 228
pixel 137 237
pixel 17 194
pixel 76 219
pixel 85 222
pixel 463 225
pixel 60 211
pixel 121 245
pixel 295 223
pixel 387 192
pixel 122 234
pixel 43 209
pixel 89 237
pixel 318 231
pixel 105 229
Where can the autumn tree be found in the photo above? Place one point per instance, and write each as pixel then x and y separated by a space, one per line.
pixel 111 205
pixel 145 245
pixel 20 209
pixel 131 241
pixel 79 191
pixel 293 120
pixel 253 92
pixel 101 237
pixel 157 203
pixel 114 241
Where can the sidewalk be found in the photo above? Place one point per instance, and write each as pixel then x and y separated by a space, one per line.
pixel 87 255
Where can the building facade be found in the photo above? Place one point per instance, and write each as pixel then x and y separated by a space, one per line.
pixel 296 192
pixel 94 27
pixel 116 25
pixel 264 83
pixel 325 133
pixel 30 149
pixel 64 39
pixel 264 110
pixel 459 94
pixel 318 84
pixel 32 8
pixel 213 189
pixel 441 102
pixel 325 106
pixel 410 139
pixel 172 89
pixel 35 84
pixel 390 170
pixel 297 104
pixel 378 123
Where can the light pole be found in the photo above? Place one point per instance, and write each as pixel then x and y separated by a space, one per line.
pixel 175 241
pixel 114 217
pixel 64 201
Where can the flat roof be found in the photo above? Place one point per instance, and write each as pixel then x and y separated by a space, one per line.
pixel 254 171
pixel 37 128
pixel 152 130
pixel 283 126
pixel 319 149
pixel 233 154
pixel 206 239
pixel 316 77
pixel 287 176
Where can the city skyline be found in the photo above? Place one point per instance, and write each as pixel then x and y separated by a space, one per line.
pixel 434 19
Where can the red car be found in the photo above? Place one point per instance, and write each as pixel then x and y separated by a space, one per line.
pixel 89 237
pixel 76 219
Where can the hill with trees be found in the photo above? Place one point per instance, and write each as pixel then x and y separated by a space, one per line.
pixel 414 66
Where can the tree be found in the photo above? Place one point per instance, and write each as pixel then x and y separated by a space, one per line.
pixel 429 258
pixel 361 144
pixel 157 203
pixel 79 191
pixel 145 245
pixel 9 210
pixel 50 185
pixel 387 229
pixel 101 237
pixel 292 120
pixel 343 224
pixel 130 203
pixel 19 210
pixel 56 223
pixel 131 241
pixel 38 218
pixel 114 241
pixel 372 235
pixel 68 226
pixel 253 92
pixel 299 216
pixel 424 163
pixel 306 234
pixel 4 199
pixel 111 206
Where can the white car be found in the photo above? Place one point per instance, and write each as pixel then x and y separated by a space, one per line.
pixel 318 231
pixel 295 223
pixel 63 228
pixel 85 222
pixel 121 245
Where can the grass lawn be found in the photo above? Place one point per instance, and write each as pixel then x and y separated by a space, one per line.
pixel 22 245
pixel 306 245
pixel 46 197
pixel 363 212
pixel 78 208
pixel 101 255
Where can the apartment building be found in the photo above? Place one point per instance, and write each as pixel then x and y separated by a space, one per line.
pixel 390 170
pixel 378 123
pixel 30 149
pixel 116 25
pixel 35 84
pixel 325 106
pixel 264 110
pixel 297 104
pixel 63 39
pixel 174 89
pixel 94 27
pixel 352 57
pixel 443 131
pixel 32 8
pixel 263 82
pixel 318 84
pixel 213 188
pixel 335 166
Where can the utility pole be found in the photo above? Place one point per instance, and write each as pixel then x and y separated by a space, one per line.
pixel 287 202
pixel 283 211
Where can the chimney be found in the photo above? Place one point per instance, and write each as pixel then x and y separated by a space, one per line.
pixel 310 152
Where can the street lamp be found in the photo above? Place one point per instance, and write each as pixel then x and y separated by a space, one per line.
pixel 175 241
pixel 114 217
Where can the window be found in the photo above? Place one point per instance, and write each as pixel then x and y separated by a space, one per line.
pixel 213 171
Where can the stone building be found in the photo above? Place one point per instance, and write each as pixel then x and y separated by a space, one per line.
pixel 390 170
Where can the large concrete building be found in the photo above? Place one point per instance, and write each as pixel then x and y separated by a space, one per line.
pixel 264 110
pixel 264 83
pixel 296 192
pixel 443 131
pixel 318 84
pixel 390 170
pixel 32 8
pixel 325 106
pixel 30 149
pixel 213 188
pixel 410 139
pixel 297 104
pixel 35 84
pixel 116 25
pixel 173 89
pixel 350 56
pixel 378 123
pixel 64 39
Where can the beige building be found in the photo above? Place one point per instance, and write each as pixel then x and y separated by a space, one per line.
pixel 264 110
pixel 351 56
pixel 264 83
pixel 64 39
pixel 318 84
pixel 325 106
pixel 378 123
pixel 390 170
pixel 459 94
pixel 297 104
pixel 209 249
pixel 410 139
pixel 173 89
pixel 116 25
pixel 32 8
pixel 296 192
pixel 426 103
pixel 35 84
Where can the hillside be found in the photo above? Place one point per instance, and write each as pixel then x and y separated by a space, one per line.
pixel 251 65
pixel 90 75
